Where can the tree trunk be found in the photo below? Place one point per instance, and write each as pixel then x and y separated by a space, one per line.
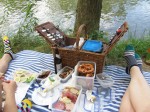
pixel 89 13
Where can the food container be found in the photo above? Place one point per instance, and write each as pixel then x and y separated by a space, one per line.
pixel 43 75
pixel 76 104
pixel 104 80
pixel 93 46
pixel 86 82
pixel 65 74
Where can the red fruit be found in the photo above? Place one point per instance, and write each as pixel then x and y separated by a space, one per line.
pixel 59 105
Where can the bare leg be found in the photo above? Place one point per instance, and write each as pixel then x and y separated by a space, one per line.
pixel 4 62
pixel 126 105
pixel 139 91
pixel 137 96
pixel 0 95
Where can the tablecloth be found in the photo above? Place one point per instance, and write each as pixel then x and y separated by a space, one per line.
pixel 36 61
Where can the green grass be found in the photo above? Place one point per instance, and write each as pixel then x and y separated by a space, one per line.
pixel 34 43
pixel 115 57
pixel 24 43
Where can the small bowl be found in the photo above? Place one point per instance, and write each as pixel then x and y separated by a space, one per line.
pixel 105 80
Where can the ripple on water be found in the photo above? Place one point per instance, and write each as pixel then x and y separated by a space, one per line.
pixel 62 12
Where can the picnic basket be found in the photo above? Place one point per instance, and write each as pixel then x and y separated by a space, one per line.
pixel 71 56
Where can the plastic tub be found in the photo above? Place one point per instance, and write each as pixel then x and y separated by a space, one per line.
pixel 104 80
pixel 93 46
pixel 65 70
pixel 43 75
pixel 87 83
pixel 75 107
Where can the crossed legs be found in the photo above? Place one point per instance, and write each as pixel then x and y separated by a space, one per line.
pixel 137 95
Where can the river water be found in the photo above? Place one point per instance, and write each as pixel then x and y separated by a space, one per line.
pixel 62 13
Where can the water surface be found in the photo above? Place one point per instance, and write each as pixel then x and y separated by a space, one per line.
pixel 62 13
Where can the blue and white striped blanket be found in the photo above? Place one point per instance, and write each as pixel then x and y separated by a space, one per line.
pixel 36 61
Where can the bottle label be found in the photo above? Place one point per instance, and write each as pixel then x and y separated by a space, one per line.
pixel 58 63
pixel 58 67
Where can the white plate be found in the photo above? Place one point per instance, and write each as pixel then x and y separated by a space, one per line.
pixel 47 100
pixel 21 91
pixel 23 72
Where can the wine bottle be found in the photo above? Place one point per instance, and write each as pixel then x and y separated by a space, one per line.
pixel 58 62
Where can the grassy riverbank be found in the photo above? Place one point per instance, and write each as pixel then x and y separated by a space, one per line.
pixel 115 57
pixel 27 43
pixel 141 45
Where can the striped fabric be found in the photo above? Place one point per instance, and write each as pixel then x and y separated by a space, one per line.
pixel 35 61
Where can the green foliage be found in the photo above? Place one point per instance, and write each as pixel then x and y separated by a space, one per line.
pixel 141 45
pixel 148 54
pixel 1 46
pixel 96 35
pixel 99 35
pixel 26 38
pixel 26 28
pixel 32 43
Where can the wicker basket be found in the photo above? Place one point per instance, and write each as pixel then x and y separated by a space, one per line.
pixel 70 57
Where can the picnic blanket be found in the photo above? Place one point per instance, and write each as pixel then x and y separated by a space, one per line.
pixel 36 61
